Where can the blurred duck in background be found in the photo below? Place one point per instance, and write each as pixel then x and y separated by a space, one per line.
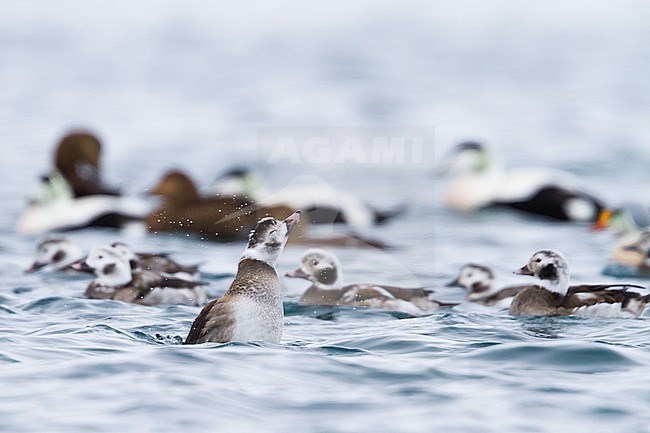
pixel 323 269
pixel 227 217
pixel 479 182
pixel 324 204
pixel 642 248
pixel 56 253
pixel 118 281
pixel 630 223
pixel 478 280
pixel 73 195
pixel 156 262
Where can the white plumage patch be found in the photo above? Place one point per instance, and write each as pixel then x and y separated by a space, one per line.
pixel 255 321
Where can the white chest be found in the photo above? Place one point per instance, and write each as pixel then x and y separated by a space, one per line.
pixel 258 320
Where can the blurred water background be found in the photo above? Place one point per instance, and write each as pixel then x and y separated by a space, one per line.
pixel 189 84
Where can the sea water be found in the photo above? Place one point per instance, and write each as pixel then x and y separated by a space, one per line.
pixel 190 85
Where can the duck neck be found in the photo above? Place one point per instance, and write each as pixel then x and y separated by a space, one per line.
pixel 558 285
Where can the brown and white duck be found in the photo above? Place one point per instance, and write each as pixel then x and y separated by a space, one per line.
pixel 156 262
pixel 478 280
pixel 554 297
pixel 56 253
pixel 115 280
pixel 324 271
pixel 251 309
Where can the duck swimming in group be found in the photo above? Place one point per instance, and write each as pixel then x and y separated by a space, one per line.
pixel 321 203
pixel 156 262
pixel 116 280
pixel 324 271
pixel 56 253
pixel 479 182
pixel 554 297
pixel 73 195
pixel 252 309
pixel 478 280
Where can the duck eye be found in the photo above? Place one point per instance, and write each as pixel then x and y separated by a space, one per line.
pixel 469 275
pixel 314 262
pixel 100 257
pixel 538 260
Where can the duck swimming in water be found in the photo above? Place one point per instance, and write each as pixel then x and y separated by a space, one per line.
pixel 479 182
pixel 74 196
pixel 478 280
pixel 321 203
pixel 116 280
pixel 324 271
pixel 251 309
pixel 554 297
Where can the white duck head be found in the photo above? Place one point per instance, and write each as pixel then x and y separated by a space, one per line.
pixel 266 242
pixel 56 253
pixel 110 266
pixel 467 157
pixel 551 268
pixel 321 268
pixel 478 280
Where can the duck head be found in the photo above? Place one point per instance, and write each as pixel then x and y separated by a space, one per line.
pixel 176 187
pixel 267 240
pixel 551 268
pixel 466 157
pixel 239 181
pixel 128 254
pixel 55 252
pixel 109 265
pixel 476 279
pixel 321 268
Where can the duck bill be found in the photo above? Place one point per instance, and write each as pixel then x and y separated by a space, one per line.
pixel 524 271
pixel 454 283
pixel 292 221
pixel 603 221
pixel 35 267
pixel 297 273
pixel 82 267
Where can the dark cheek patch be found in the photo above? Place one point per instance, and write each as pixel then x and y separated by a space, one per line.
pixel 59 256
pixel 548 272
pixel 327 276
pixel 479 287
pixel 108 269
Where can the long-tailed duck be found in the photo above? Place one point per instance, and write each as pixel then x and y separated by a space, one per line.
pixel 57 253
pixel 554 297
pixel 323 269
pixel 228 217
pixel 479 182
pixel 322 203
pixel 115 280
pixel 251 309
pixel 478 280
pixel 73 196
pixel 156 262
